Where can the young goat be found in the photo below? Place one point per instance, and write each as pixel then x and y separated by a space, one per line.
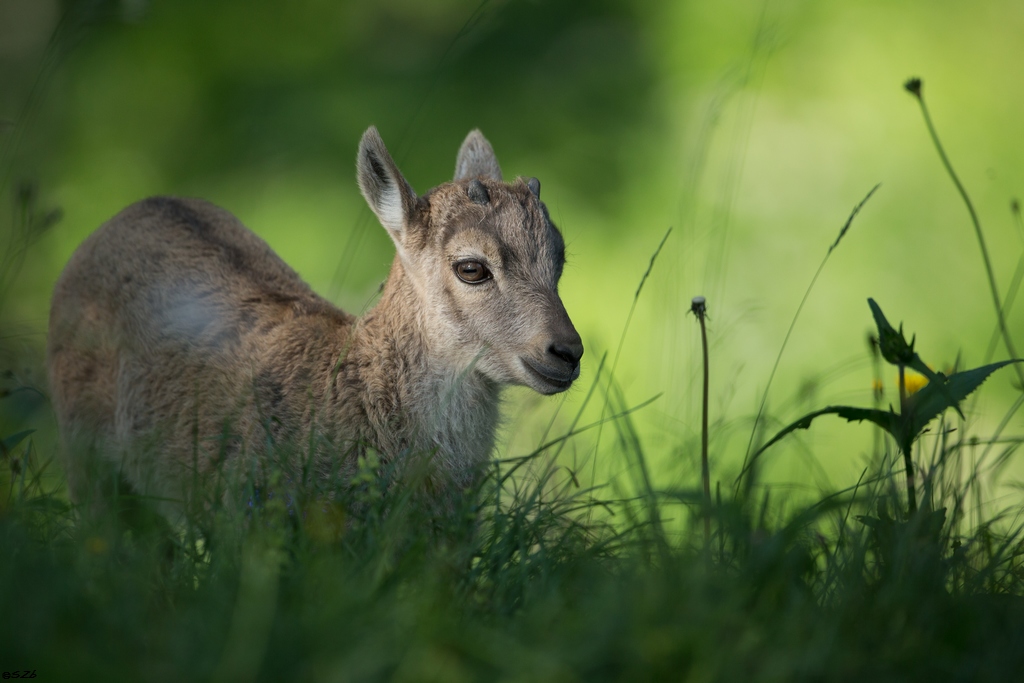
pixel 178 338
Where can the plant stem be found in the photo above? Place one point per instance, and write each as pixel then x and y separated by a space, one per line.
pixel 907 446
pixel 1011 293
pixel 878 393
pixel 699 308
pixel 914 87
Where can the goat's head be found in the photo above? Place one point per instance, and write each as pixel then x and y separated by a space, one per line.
pixel 484 260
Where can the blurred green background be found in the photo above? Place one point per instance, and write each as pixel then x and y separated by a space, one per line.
pixel 750 128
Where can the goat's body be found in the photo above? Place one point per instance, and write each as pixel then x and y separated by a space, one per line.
pixel 181 344
pixel 178 337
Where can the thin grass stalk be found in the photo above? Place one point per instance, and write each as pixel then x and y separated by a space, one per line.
pixel 877 394
pixel 630 441
pixel 1015 283
pixel 615 363
pixel 699 309
pixel 792 325
pixel 913 86
pixel 976 466
pixel 622 341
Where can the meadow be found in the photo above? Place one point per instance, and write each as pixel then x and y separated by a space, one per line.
pixel 598 547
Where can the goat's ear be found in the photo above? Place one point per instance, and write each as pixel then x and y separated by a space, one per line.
pixel 382 184
pixel 476 158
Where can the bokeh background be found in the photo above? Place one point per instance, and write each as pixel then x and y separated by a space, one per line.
pixel 749 128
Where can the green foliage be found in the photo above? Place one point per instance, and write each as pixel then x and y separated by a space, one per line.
pixel 919 410
pixel 525 577
pixel 894 347
pixel 945 392
pixel 534 584
pixel 529 576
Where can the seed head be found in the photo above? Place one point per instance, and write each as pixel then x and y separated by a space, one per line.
pixel 913 86
pixel 698 306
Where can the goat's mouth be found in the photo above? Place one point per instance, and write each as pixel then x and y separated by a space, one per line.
pixel 552 381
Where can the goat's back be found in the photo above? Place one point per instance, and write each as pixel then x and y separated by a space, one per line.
pixel 162 321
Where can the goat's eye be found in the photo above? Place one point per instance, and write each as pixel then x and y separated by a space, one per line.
pixel 472 272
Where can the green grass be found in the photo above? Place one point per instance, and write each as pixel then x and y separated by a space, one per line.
pixel 549 582
pixel 530 577
pixel 535 574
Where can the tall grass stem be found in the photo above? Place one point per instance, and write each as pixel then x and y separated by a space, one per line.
pixel 699 308
pixel 622 340
pixel 792 324
pixel 913 86
pixel 907 446
pixel 1015 283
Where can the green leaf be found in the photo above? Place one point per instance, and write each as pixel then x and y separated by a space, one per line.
pixel 11 442
pixel 894 346
pixel 884 328
pixel 896 350
pixel 946 392
pixel 888 421
pixel 891 343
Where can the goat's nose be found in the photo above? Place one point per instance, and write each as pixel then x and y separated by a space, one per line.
pixel 569 352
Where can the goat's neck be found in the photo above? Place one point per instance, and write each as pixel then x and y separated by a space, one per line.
pixel 438 403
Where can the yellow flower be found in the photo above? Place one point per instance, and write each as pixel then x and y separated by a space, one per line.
pixel 914 382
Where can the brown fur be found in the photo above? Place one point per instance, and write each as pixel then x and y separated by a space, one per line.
pixel 178 337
